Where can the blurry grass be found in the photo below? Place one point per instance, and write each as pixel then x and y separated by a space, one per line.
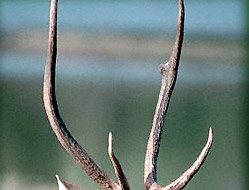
pixel 33 154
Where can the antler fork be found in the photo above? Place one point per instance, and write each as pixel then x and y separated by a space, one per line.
pixel 168 72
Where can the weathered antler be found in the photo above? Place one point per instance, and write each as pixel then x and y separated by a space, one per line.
pixel 116 165
pixel 56 122
pixel 168 72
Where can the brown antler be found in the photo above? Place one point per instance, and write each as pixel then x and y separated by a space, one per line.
pixel 168 78
pixel 56 122
pixel 168 72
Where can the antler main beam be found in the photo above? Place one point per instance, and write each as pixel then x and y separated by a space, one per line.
pixel 168 73
pixel 59 127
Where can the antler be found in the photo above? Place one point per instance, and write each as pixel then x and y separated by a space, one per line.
pixel 168 72
pixel 63 185
pixel 117 167
pixel 56 122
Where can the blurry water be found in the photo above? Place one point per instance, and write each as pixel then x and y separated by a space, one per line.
pixel 207 17
pixel 119 70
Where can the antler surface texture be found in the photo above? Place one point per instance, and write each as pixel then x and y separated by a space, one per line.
pixel 168 78
pixel 56 122
pixel 168 73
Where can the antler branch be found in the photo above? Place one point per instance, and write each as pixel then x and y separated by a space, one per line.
pixel 117 167
pixel 52 110
pixel 63 185
pixel 168 73
pixel 183 180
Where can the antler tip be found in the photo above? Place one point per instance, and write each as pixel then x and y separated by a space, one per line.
pixel 210 130
pixel 210 135
pixel 110 143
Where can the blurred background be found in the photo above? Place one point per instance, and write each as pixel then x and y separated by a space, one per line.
pixel 108 80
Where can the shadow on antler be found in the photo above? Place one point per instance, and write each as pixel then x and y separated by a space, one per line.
pixel 168 78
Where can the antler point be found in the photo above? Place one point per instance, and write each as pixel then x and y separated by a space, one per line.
pixel 110 151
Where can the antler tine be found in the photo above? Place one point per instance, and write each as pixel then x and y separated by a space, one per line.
pixel 183 180
pixel 63 185
pixel 56 122
pixel 117 167
pixel 168 73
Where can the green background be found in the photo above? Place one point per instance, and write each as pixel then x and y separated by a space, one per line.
pixel 107 80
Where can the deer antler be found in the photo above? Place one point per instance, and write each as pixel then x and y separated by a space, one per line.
pixel 168 72
pixel 117 167
pixel 56 122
